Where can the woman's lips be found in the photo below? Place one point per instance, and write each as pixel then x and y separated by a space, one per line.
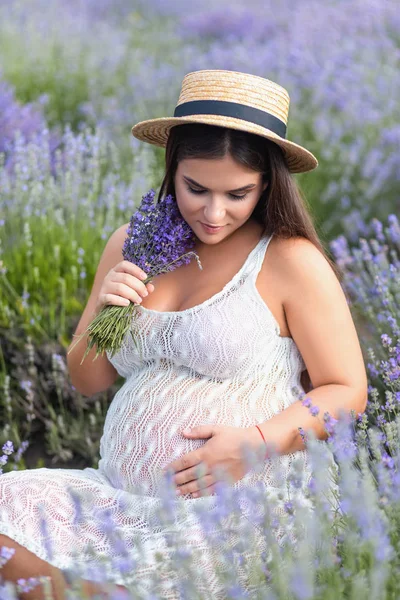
pixel 210 229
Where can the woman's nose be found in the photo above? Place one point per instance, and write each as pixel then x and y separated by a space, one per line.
pixel 214 211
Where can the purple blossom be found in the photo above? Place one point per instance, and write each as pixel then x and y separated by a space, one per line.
pixel 5 555
pixel 341 251
pixel 343 443
pixel 388 461
pixel 378 230
pixel 26 385
pixel 289 508
pixel 45 533
pixel 27 585
pixel 224 22
pixel 8 448
pixel 27 119
pixel 386 340
pixel 372 370
pixel 330 423
pixel 302 433
pixel 77 506
pixel 394 229
pixel 312 485
pixel 158 237
pixel 393 323
pixel 20 451
pixel 381 420
pixel 301 583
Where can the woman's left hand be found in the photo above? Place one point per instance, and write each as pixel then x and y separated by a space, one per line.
pixel 223 449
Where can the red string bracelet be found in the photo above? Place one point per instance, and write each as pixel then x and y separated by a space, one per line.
pixel 262 435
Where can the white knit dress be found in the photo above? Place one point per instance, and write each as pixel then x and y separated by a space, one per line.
pixel 220 362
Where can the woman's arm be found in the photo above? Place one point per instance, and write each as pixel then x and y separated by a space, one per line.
pixel 322 327
pixel 93 376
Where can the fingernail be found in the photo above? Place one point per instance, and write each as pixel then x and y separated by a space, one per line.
pixel 178 492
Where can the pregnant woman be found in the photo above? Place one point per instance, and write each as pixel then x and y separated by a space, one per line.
pixel 220 351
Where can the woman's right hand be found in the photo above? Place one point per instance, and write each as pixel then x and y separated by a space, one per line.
pixel 123 282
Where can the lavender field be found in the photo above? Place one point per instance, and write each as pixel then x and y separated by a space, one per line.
pixel 74 77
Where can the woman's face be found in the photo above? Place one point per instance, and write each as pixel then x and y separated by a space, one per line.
pixel 212 193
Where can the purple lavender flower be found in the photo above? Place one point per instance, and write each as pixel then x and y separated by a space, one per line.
pixel 45 533
pixel 386 340
pixel 394 229
pixel 26 385
pixel 300 583
pixel 14 116
pixel 372 370
pixel 5 555
pixel 158 237
pixel 381 420
pixel 8 448
pixel 20 451
pixel 330 423
pixel 27 585
pixel 289 508
pixel 302 434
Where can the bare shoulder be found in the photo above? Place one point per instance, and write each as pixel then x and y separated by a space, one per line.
pixel 112 252
pixel 297 263
pixel 119 235
pixel 296 253
pixel 294 270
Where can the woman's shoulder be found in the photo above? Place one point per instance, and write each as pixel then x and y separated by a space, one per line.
pixel 296 263
pixel 296 255
pixel 116 240
pixel 292 248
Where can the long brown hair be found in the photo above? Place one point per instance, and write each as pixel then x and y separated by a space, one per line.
pixel 282 208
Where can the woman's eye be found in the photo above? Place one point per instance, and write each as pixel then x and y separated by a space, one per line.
pixel 238 197
pixel 195 191
pixel 234 196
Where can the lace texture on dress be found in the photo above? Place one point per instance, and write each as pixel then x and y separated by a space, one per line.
pixel 220 362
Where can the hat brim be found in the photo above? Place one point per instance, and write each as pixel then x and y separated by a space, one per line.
pixel 156 132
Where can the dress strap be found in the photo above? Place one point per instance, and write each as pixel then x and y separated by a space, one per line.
pixel 257 259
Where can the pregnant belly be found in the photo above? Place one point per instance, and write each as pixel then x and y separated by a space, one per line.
pixel 142 430
pixel 142 434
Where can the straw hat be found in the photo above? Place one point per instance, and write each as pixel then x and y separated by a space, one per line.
pixel 235 100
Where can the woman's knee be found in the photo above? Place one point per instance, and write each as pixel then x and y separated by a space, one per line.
pixel 22 563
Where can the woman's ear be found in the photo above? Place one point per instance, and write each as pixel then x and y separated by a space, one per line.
pixel 265 185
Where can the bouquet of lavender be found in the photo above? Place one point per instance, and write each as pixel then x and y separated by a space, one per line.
pixel 159 240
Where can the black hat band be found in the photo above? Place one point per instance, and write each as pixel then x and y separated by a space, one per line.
pixel 232 109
